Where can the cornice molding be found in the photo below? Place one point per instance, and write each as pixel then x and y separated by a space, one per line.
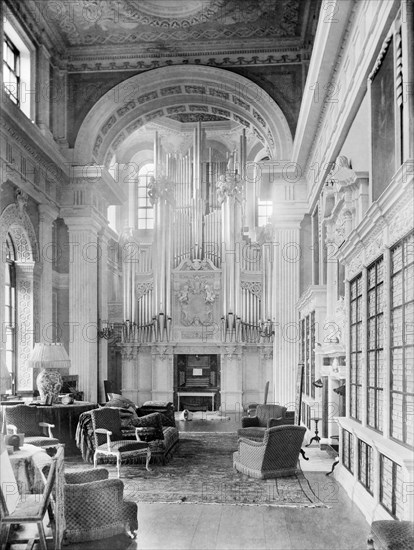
pixel 227 58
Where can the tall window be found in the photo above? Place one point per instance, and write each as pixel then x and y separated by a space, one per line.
pixel 18 65
pixel 365 465
pixel 348 450
pixel 375 343
pixel 11 70
pixel 264 212
pixel 10 308
pixel 402 340
pixel 145 208
pixel 391 486
pixel 308 343
pixel 356 347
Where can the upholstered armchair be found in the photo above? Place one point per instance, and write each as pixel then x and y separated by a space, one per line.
pixel 276 456
pixel 94 507
pixel 109 442
pixel 23 419
pixel 267 416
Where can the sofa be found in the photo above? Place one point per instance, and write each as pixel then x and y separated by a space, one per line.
pixel 267 416
pixel 154 418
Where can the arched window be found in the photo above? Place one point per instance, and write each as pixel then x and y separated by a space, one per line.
pixel 10 308
pixel 145 208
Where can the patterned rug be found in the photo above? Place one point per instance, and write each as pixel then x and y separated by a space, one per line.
pixel 201 471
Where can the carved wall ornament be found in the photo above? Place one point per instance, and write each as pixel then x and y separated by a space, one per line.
pixel 129 352
pixel 400 224
pixel 255 287
pixel 230 185
pixel 266 352
pixel 196 297
pixel 162 351
pixel 16 221
pixel 196 265
pixel 142 288
pixel 231 351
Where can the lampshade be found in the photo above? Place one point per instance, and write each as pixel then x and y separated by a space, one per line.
pixel 52 356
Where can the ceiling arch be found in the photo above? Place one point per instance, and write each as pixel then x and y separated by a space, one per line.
pixel 161 92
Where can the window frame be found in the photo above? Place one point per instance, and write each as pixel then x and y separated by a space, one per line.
pixel 403 346
pixel 358 351
pixel 377 347
pixel 10 45
pixel 10 311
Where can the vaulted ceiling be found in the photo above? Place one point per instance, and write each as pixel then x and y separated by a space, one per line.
pixel 102 43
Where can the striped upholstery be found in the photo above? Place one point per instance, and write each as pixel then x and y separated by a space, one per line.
pixel 276 456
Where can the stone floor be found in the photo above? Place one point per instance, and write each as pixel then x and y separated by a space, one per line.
pixel 224 527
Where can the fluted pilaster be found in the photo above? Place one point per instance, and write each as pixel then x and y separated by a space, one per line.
pixel 83 301
pixel 46 217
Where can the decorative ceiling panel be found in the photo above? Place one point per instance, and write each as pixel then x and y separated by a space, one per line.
pixel 122 22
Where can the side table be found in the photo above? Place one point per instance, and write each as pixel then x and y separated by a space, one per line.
pixel 316 436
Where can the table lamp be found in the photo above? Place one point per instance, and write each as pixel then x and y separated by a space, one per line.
pixel 49 358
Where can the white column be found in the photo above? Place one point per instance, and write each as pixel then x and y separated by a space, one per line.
pixel 46 217
pixel 102 311
pixel 285 296
pixel 83 302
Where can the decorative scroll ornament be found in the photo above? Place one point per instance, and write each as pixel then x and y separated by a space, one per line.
pixel 255 287
pixel 143 288
pixel 161 188
pixel 230 185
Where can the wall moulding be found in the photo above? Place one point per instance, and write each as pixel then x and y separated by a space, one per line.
pixel 214 59
pixel 385 222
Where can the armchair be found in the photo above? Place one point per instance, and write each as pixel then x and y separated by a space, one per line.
pixel 92 507
pixel 106 427
pixel 267 416
pixel 276 456
pixel 23 419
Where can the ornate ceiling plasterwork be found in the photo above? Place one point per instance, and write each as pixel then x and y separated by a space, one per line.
pixel 120 22
pixel 225 94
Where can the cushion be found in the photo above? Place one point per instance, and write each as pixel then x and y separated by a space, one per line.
pixel 151 421
pixel 119 401
pixel 166 409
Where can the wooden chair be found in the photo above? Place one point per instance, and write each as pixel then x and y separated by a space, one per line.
pixel 106 425
pixel 31 508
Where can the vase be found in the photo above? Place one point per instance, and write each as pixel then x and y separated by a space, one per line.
pixel 49 384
